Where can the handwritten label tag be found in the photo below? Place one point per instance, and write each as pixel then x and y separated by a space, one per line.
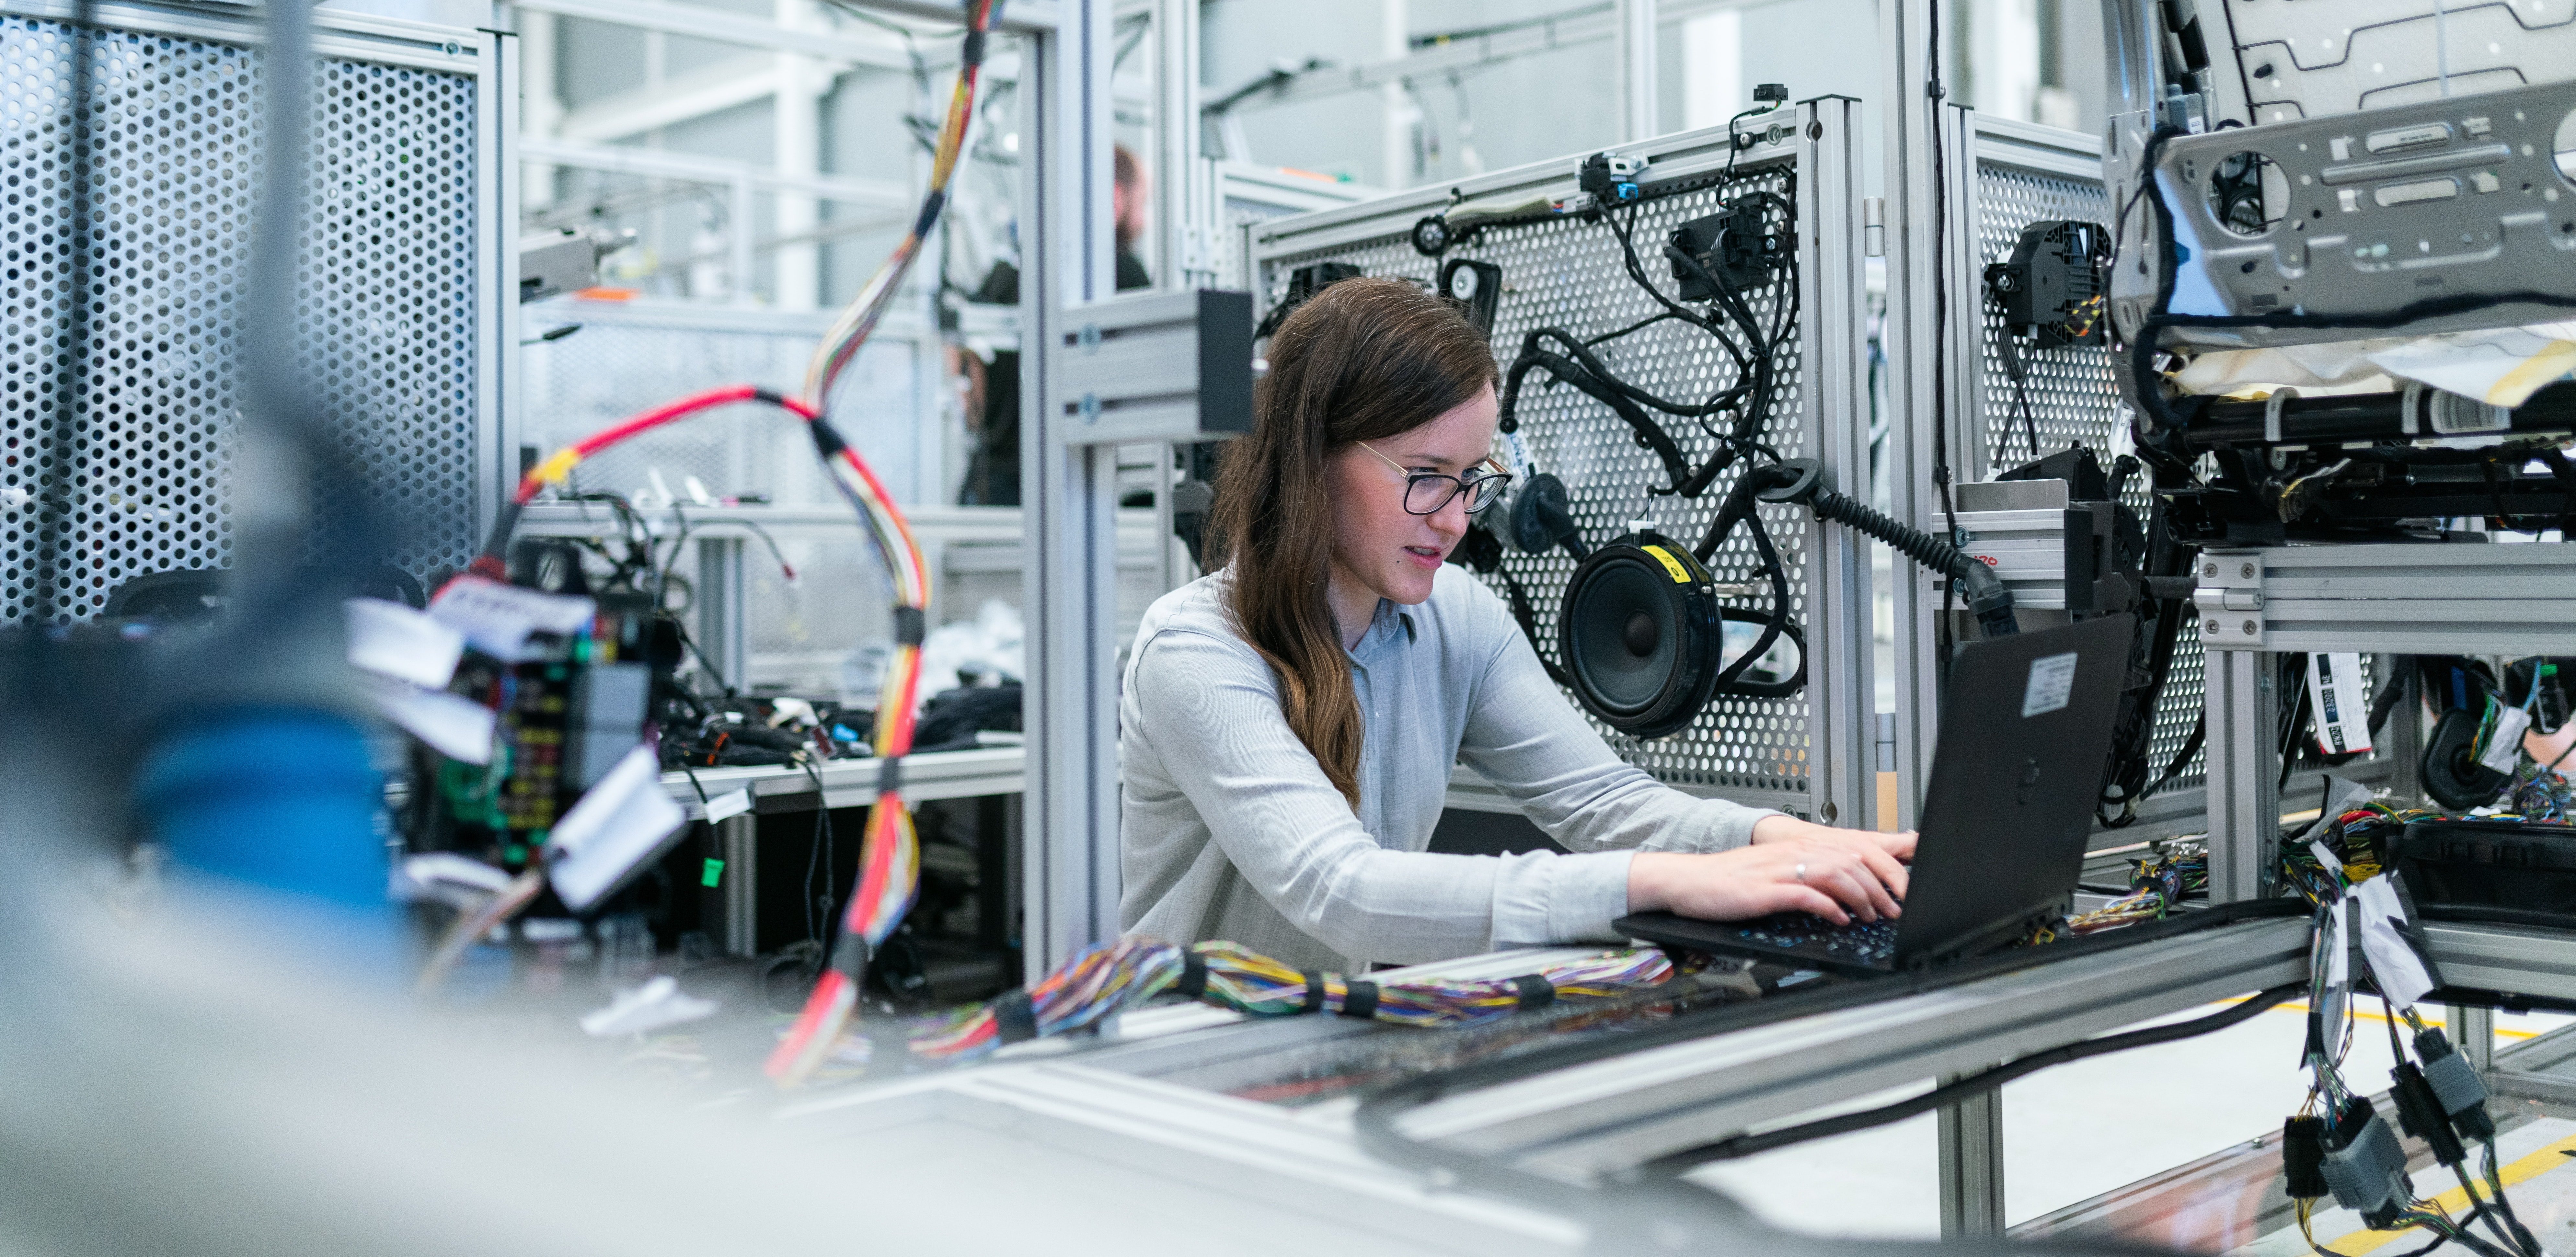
pixel 498 618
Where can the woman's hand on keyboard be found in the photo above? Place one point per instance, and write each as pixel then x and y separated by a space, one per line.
pixel 1840 875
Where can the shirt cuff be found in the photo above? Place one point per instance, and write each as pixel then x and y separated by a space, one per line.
pixel 1734 825
pixel 1542 897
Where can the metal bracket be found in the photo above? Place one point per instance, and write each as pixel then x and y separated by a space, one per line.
pixel 1168 367
pixel 2230 600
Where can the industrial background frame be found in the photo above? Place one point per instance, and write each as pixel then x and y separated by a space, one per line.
pixel 431 423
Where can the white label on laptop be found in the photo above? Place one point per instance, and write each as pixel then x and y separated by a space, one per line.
pixel 2343 706
pixel 2052 685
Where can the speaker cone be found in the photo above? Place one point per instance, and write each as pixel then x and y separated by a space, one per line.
pixel 1639 635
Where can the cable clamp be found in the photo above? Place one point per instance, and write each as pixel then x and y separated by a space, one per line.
pixel 1536 991
pixel 2272 413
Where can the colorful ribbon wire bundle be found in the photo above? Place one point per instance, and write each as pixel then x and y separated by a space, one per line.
pixel 1107 977
pixel 890 863
pixel 2156 885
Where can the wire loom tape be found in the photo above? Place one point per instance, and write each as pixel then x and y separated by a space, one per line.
pixel 1015 1020
pixel 1314 992
pixel 1536 991
pixel 1194 971
pixel 1359 999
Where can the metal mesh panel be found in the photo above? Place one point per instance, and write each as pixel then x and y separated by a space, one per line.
pixel 2071 399
pixel 1569 274
pixel 387 320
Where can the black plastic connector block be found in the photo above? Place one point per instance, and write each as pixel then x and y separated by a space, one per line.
pixel 2419 1111
pixel 2303 1158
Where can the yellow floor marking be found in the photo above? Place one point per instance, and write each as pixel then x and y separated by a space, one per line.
pixel 2456 1199
pixel 2300 1007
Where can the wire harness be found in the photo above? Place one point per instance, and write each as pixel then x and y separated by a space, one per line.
pixel 1105 978
pixel 890 862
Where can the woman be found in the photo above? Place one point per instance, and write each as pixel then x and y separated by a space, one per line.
pixel 1288 722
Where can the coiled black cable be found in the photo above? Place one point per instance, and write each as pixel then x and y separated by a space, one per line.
pixel 1986 596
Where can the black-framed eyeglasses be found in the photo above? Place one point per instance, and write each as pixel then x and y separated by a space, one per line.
pixel 1425 492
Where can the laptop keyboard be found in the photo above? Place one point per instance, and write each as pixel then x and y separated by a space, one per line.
pixel 1860 942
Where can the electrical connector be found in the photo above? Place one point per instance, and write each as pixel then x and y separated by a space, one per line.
pixel 1611 178
pixel 1771 93
pixel 2303 1158
pixel 2365 1166
pixel 2420 1112
pixel 2456 1085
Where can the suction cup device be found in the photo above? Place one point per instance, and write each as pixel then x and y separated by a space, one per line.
pixel 2452 773
pixel 1640 634
pixel 1542 518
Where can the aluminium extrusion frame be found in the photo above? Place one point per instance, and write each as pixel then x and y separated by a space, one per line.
pixel 1823 145
pixel 2418 599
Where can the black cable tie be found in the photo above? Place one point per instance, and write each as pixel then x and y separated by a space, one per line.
pixel 1536 991
pixel 769 395
pixel 1314 992
pixel 1359 999
pixel 1015 1020
pixel 889 775
pixel 1194 971
pixel 910 626
pixel 850 956
pixel 930 207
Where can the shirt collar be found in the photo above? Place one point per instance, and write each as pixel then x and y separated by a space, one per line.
pixel 1385 627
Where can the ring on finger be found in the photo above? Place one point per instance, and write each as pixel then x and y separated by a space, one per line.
pixel 1802 870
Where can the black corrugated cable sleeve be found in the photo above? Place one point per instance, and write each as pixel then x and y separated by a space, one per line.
pixel 1574 373
pixel 1985 593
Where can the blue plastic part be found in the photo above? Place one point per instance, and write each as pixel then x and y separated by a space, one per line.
pixel 279 799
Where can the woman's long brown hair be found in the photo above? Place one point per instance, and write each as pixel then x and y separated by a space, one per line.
pixel 1362 360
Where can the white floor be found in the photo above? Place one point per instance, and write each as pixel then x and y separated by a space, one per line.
pixel 2076 1131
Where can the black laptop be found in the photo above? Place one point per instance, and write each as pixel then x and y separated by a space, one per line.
pixel 2014 783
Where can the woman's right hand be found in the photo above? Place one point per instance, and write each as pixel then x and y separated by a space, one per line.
pixel 1836 882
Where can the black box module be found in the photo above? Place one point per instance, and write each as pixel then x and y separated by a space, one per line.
pixel 2506 865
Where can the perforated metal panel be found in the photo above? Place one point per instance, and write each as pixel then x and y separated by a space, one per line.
pixel 387 321
pixel 1568 273
pixel 2071 399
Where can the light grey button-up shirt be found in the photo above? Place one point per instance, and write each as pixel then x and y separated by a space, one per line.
pixel 1231 830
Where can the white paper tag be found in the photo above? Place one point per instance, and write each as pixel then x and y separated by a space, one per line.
pixel 2395 965
pixel 497 618
pixel 2342 702
pixel 447 866
pixel 390 639
pixel 1516 456
pixel 725 807
pixel 2329 1011
pixel 2052 685
pixel 2504 745
pixel 2326 856
pixel 615 827
pixel 450 724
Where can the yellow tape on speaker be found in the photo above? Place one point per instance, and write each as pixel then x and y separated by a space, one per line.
pixel 1681 575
